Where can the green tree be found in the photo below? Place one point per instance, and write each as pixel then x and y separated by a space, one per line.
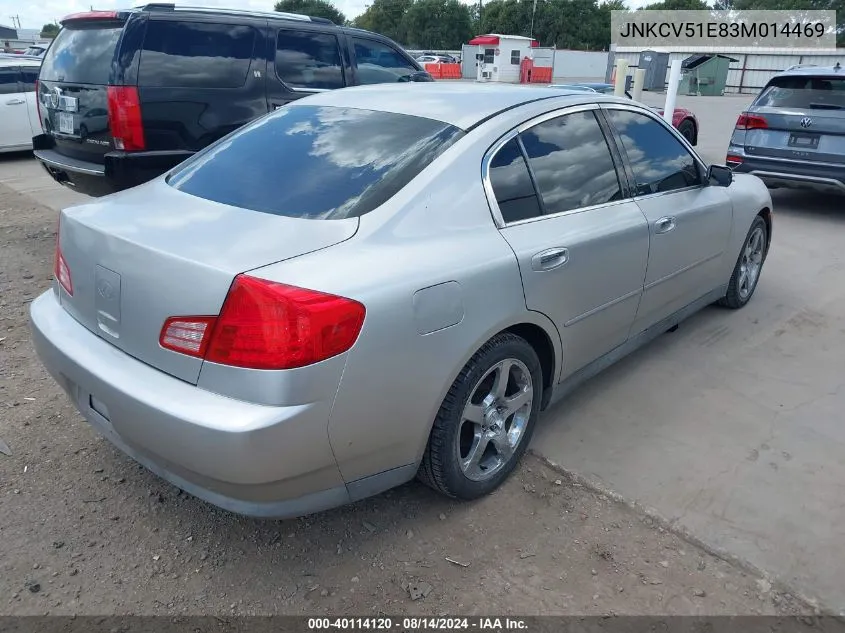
pixel 386 17
pixel 678 5
pixel 49 30
pixel 437 24
pixel 314 8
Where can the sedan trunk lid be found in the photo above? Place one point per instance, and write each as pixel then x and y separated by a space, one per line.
pixel 153 252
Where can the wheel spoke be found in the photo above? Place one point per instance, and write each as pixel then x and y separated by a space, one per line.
pixel 517 401
pixel 503 446
pixel 474 413
pixel 500 384
pixel 471 464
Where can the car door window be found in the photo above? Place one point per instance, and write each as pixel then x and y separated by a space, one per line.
pixel 196 55
pixel 659 161
pixel 29 76
pixel 9 81
pixel 571 163
pixel 512 184
pixel 308 60
pixel 379 63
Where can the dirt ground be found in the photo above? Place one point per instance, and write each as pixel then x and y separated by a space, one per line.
pixel 84 530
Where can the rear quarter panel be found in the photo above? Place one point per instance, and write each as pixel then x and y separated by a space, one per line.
pixel 435 231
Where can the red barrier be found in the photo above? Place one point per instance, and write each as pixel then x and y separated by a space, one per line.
pixel 540 75
pixel 433 70
pixel 450 71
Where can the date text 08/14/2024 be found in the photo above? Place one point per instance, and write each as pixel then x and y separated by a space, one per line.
pixel 408 624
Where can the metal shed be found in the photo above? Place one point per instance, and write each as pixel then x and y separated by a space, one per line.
pixel 655 65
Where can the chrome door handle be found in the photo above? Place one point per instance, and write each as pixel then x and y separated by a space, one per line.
pixel 664 225
pixel 550 259
pixel 15 102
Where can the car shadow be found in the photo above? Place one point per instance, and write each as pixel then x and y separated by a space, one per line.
pixel 808 204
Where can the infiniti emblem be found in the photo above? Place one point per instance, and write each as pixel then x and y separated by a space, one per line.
pixel 806 122
pixel 104 289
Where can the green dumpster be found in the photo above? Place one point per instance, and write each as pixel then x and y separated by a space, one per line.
pixel 705 75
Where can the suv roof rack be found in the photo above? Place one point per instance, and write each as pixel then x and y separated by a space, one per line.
pixel 168 6
pixel 797 66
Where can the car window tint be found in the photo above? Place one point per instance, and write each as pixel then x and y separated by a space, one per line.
pixel 9 81
pixel 379 63
pixel 659 161
pixel 29 76
pixel 308 60
pixel 804 92
pixel 512 184
pixel 571 163
pixel 315 162
pixel 195 55
pixel 82 54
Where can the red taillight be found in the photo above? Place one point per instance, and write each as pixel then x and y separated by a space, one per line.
pixel 60 268
pixel 751 122
pixel 732 160
pixel 127 129
pixel 267 325
pixel 188 335
pixel 38 104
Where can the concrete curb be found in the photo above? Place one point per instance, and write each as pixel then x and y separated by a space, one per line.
pixel 684 533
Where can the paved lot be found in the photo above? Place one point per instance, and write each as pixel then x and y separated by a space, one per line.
pixel 730 427
pixel 733 427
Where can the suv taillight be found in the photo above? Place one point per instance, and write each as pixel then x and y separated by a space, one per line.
pixel 127 129
pixel 267 325
pixel 60 267
pixel 38 104
pixel 747 121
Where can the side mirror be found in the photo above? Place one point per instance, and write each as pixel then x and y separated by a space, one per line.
pixel 720 175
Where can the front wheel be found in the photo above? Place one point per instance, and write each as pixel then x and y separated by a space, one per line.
pixel 486 420
pixel 748 267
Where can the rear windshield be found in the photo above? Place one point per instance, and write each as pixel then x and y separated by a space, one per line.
pixel 804 92
pixel 82 54
pixel 315 162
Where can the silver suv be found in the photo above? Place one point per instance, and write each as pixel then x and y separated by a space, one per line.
pixel 793 134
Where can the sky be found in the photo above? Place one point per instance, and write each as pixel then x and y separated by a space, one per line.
pixel 39 12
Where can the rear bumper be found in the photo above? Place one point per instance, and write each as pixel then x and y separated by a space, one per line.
pixel 251 459
pixel 119 171
pixel 791 174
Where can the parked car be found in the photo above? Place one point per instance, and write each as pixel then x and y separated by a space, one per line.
pixel 368 285
pixel 791 134
pixel 18 104
pixel 683 119
pixel 174 80
pixel 36 50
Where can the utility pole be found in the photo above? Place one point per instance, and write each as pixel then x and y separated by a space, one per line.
pixel 533 11
pixel 16 21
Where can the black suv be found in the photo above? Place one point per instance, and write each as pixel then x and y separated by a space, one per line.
pixel 125 96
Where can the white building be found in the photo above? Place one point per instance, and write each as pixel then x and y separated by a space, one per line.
pixel 497 57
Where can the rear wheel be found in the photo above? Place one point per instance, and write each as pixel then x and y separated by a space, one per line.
pixel 687 130
pixel 746 273
pixel 486 420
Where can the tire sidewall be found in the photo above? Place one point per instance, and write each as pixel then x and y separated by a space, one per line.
pixel 515 348
pixel 733 289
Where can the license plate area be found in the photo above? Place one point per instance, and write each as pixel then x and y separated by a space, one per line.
pixel 65 123
pixel 800 140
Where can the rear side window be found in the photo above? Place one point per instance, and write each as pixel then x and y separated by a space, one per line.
pixel 315 162
pixel 29 76
pixel 9 81
pixel 571 163
pixel 659 161
pixel 195 55
pixel 379 63
pixel 512 184
pixel 308 60
pixel 82 54
pixel 804 92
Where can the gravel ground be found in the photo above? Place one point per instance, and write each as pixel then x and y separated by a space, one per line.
pixel 84 530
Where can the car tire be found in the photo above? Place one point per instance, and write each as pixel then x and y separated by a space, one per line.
pixel 687 130
pixel 749 265
pixel 484 425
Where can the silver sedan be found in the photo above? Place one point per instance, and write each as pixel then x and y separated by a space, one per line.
pixel 385 282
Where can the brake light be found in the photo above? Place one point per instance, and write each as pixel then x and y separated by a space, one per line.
pixel 267 325
pixel 127 128
pixel 751 122
pixel 90 15
pixel 732 160
pixel 38 104
pixel 60 268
